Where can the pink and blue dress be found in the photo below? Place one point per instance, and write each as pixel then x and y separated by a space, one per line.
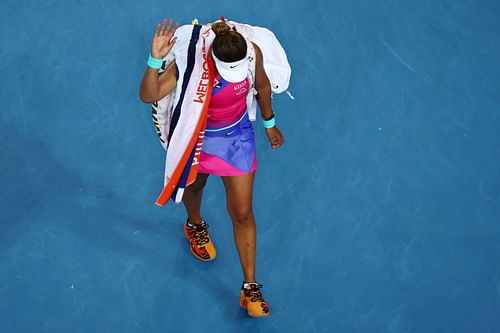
pixel 229 144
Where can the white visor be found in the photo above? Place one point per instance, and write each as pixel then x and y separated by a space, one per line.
pixel 232 71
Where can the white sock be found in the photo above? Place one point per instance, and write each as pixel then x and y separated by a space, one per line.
pixel 192 225
pixel 247 284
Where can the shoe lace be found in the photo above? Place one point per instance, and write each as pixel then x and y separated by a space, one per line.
pixel 201 234
pixel 254 293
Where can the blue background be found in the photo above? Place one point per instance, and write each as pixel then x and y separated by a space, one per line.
pixel 380 213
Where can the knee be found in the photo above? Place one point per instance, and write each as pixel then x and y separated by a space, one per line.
pixel 241 215
pixel 198 185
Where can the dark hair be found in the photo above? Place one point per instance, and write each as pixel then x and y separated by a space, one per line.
pixel 229 45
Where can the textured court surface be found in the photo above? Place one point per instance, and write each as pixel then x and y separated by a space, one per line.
pixel 380 214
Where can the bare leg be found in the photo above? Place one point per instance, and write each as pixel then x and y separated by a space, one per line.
pixel 239 191
pixel 192 198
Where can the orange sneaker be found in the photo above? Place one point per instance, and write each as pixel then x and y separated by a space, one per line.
pixel 252 301
pixel 199 241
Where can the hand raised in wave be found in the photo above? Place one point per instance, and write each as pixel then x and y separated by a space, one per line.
pixel 163 39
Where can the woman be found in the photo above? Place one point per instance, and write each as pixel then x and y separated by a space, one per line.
pixel 227 126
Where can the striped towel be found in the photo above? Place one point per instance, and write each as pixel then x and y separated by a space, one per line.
pixel 190 108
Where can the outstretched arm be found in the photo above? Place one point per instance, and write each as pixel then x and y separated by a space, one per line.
pixel 154 87
pixel 263 88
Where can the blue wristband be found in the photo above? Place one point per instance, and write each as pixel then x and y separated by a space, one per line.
pixel 269 123
pixel 154 63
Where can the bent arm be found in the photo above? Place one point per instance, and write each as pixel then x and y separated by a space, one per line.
pixel 262 85
pixel 154 87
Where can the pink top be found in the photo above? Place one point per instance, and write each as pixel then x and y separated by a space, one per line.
pixel 228 103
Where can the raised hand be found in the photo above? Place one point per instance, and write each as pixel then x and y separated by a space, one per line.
pixel 162 39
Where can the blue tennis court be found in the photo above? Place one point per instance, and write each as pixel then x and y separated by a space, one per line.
pixel 381 212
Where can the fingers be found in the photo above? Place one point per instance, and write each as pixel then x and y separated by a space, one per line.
pixel 171 34
pixel 277 142
pixel 170 37
pixel 172 41
pixel 157 29
pixel 174 29
pixel 163 29
pixel 276 139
